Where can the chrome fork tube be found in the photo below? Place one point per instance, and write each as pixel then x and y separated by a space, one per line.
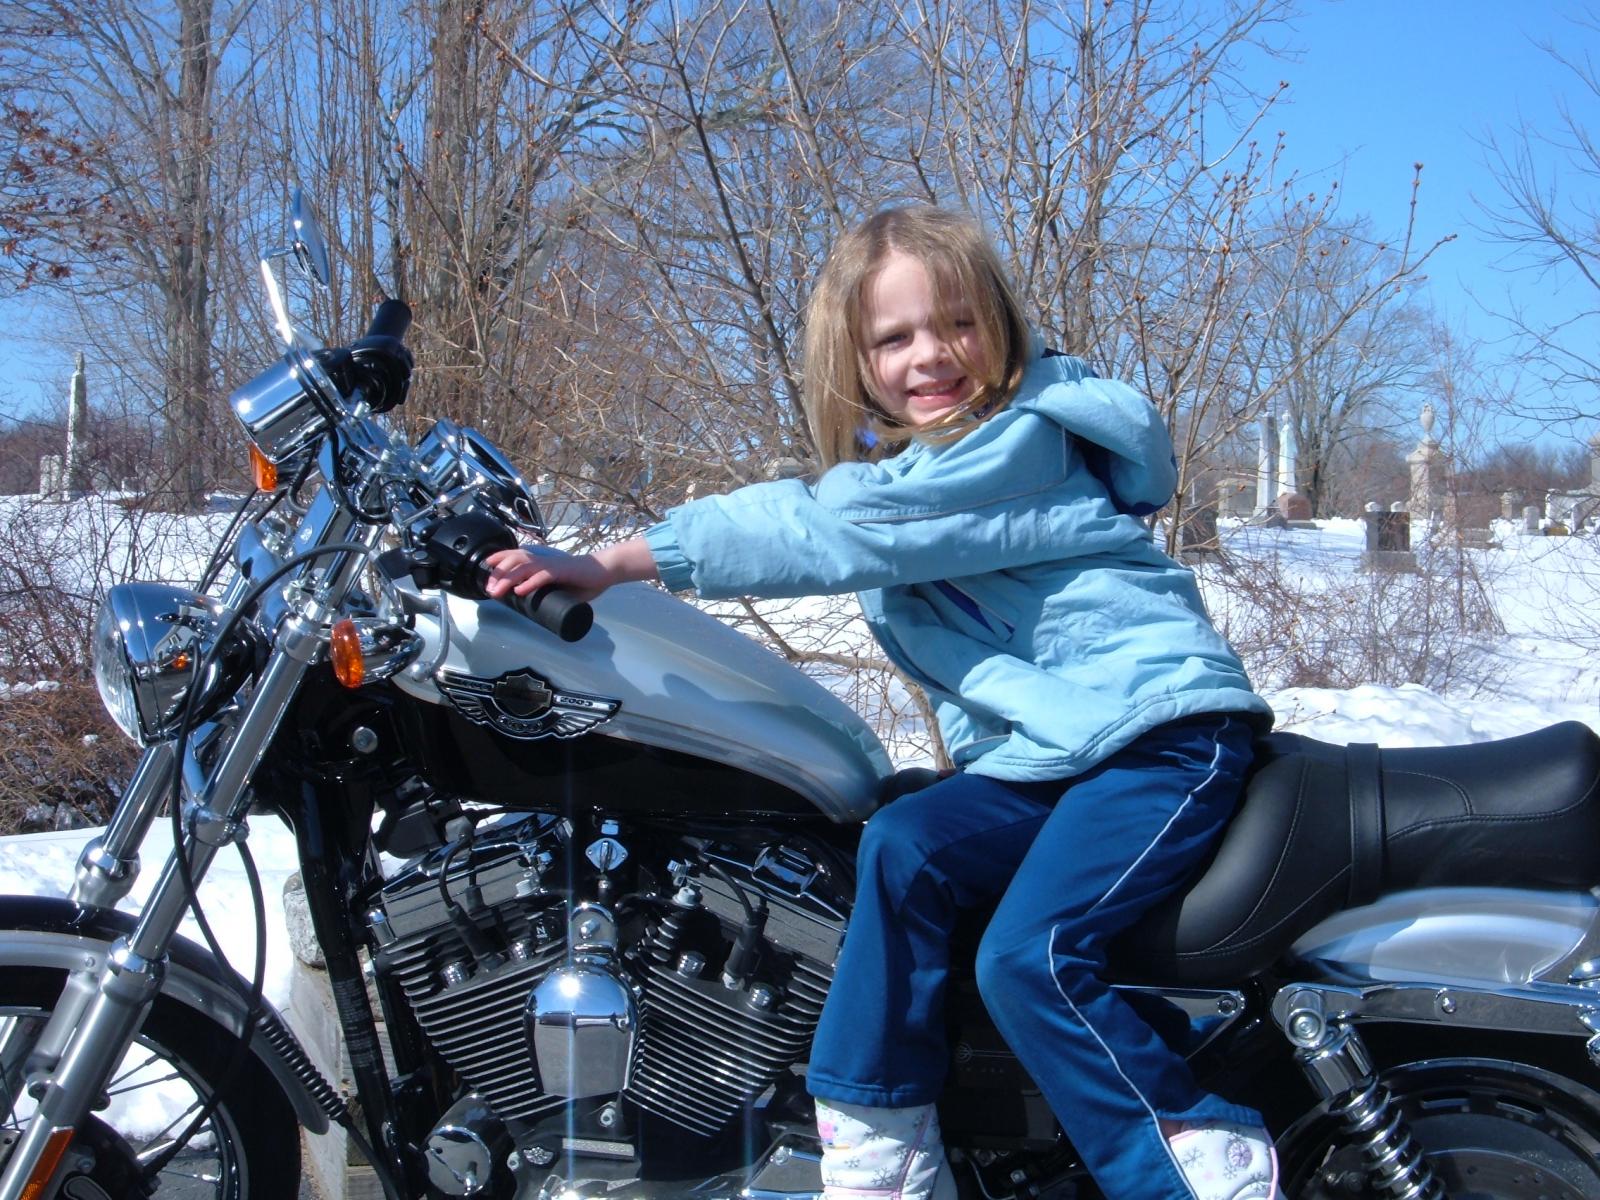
pixel 209 830
pixel 118 997
pixel 109 864
pixel 106 871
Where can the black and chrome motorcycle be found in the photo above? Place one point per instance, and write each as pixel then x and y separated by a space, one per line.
pixel 627 863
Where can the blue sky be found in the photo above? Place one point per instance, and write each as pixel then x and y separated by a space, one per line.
pixel 1375 85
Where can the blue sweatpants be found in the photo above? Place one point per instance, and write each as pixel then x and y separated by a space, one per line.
pixel 1072 862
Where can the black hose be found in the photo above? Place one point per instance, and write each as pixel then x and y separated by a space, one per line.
pixel 214 567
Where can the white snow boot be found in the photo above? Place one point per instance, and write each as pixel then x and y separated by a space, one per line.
pixel 1223 1161
pixel 882 1153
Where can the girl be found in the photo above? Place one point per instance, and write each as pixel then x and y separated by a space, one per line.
pixel 984 500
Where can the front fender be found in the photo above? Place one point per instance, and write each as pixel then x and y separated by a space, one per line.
pixel 46 931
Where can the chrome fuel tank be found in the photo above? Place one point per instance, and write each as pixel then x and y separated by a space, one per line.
pixel 679 680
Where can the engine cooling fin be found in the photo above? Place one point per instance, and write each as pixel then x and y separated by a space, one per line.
pixel 476 1024
pixel 706 1052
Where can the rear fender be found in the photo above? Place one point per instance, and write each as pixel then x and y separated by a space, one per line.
pixel 1483 937
pixel 45 931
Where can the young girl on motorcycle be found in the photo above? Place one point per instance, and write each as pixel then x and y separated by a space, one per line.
pixel 985 500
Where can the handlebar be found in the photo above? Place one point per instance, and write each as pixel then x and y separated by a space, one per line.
pixel 562 613
pixel 451 556
pixel 392 319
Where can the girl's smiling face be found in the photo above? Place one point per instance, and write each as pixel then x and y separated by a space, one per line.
pixel 917 375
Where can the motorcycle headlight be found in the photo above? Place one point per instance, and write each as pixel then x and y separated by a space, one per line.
pixel 150 642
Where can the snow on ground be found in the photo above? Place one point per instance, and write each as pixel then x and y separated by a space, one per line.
pixel 1544 668
pixel 41 864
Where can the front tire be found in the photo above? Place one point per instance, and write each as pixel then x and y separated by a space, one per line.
pixel 1491 1128
pixel 248 1150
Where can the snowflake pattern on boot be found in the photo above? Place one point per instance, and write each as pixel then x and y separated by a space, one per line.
pixel 882 1153
pixel 1221 1161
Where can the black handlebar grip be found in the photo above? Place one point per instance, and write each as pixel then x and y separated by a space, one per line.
pixel 562 613
pixel 392 319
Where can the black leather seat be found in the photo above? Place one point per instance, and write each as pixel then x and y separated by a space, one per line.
pixel 1325 827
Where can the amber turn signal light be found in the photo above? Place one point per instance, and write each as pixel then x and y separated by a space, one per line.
pixel 344 648
pixel 262 471
pixel 55 1147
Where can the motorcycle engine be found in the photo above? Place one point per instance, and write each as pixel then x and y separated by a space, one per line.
pixel 728 949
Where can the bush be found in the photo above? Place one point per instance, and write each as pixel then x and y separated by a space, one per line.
pixel 1298 623
pixel 62 761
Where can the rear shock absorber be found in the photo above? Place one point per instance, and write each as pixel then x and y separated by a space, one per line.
pixel 1336 1062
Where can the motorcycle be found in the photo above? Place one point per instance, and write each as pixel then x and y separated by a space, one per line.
pixel 619 844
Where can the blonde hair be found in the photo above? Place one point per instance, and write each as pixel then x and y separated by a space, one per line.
pixel 962 267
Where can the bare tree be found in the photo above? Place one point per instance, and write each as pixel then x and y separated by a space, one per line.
pixel 1121 165
pixel 143 214
pixel 1347 345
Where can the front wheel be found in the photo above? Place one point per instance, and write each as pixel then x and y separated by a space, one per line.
pixel 249 1149
pixel 1492 1130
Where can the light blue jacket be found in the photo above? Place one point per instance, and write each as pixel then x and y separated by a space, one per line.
pixel 1007 573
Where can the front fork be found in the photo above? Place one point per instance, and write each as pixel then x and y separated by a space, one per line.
pixel 101 1009
pixel 106 872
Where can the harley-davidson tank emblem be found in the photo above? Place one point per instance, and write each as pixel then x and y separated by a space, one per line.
pixel 523 705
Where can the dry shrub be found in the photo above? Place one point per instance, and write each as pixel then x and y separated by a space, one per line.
pixel 62 761
pixel 1300 626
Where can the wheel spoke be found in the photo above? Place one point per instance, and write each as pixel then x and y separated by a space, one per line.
pixel 180 1119
pixel 145 1083
pixel 134 1070
pixel 19 1034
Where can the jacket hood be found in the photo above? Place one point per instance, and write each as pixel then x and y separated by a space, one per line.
pixel 1123 438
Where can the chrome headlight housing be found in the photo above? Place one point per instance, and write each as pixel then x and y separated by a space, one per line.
pixel 450 457
pixel 150 641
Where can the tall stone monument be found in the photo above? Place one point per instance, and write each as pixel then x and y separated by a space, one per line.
pixel 1288 468
pixel 75 473
pixel 1267 465
pixel 1430 470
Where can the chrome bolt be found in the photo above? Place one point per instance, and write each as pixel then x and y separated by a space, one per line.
pixel 762 997
pixel 1227 1006
pixel 1446 1002
pixel 1305 1027
pixel 363 740
pixel 691 964
pixel 588 927
pixel 609 1116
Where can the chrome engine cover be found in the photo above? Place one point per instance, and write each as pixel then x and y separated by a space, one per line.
pixel 582 1020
